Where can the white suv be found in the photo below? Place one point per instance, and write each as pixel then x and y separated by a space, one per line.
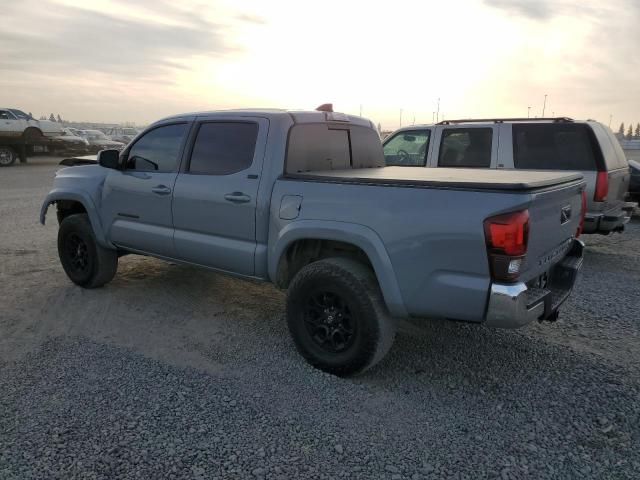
pixel 532 144
pixel 17 124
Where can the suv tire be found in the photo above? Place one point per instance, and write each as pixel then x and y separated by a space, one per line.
pixel 337 318
pixel 84 261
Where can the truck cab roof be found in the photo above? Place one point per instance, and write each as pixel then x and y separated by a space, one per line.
pixel 295 116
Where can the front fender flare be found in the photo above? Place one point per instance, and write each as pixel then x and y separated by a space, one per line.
pixel 355 234
pixel 88 204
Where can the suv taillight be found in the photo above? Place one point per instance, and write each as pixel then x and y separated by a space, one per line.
pixel 506 236
pixel 602 187
pixel 582 213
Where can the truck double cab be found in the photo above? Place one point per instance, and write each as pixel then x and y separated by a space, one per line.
pixel 303 200
pixel 526 143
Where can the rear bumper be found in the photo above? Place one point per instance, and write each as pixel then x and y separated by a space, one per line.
pixel 611 221
pixel 513 306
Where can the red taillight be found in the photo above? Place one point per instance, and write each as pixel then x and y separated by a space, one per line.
pixel 507 236
pixel 582 214
pixel 602 187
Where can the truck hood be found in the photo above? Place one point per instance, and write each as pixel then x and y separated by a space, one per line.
pixel 82 177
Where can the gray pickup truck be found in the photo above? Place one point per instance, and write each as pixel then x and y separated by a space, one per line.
pixel 303 200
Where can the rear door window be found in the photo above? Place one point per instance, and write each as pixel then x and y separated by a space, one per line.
pixel 553 146
pixel 407 148
pixel 465 148
pixel 223 148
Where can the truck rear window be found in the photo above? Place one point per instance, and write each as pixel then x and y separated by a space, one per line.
pixel 553 146
pixel 327 146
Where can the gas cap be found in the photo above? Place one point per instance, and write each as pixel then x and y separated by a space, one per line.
pixel 290 207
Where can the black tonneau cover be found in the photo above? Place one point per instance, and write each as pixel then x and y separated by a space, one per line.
pixel 446 177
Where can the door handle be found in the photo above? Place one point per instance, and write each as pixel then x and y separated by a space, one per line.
pixel 161 190
pixel 237 197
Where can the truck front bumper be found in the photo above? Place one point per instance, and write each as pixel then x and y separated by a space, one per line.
pixel 515 305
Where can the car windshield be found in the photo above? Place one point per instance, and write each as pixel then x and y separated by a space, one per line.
pixel 20 114
pixel 96 135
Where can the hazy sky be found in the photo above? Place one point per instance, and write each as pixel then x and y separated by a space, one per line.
pixel 117 60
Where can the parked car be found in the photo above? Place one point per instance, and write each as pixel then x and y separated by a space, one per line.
pixel 634 183
pixel 99 141
pixel 542 144
pixel 18 130
pixel 303 200
pixel 15 124
pixel 69 142
pixel 122 134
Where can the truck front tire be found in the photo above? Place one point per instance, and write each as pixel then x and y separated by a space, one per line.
pixel 85 262
pixel 337 317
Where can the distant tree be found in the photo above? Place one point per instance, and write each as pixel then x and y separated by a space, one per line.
pixel 43 117
pixel 630 132
pixel 52 118
pixel 637 131
pixel 621 129
pixel 59 119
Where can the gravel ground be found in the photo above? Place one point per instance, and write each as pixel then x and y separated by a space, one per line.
pixel 174 372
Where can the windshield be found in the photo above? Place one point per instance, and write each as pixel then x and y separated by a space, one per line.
pixel 407 148
pixel 20 114
pixel 96 135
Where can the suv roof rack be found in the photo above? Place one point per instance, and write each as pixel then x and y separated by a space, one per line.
pixel 502 120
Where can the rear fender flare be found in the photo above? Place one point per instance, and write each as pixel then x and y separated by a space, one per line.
pixel 358 235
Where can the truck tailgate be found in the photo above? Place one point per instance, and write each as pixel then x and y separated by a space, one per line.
pixel 554 218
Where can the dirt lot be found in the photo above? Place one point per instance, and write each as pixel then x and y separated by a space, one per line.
pixel 175 372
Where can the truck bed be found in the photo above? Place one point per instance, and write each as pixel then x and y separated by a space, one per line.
pixel 465 178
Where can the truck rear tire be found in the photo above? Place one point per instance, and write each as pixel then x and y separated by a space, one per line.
pixel 337 318
pixel 7 156
pixel 85 262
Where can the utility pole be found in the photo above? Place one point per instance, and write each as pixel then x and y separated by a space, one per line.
pixel 360 109
pixel 414 119
pixel 610 118
pixel 544 105
pixel 433 117
pixel 528 112
pixel 401 117
pixel 438 111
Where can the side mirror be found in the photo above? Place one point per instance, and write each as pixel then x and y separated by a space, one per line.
pixel 109 159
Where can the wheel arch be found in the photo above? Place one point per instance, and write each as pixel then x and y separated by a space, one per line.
pixel 30 130
pixel 75 202
pixel 347 239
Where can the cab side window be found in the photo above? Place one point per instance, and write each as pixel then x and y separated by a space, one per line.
pixel 158 149
pixel 465 148
pixel 407 148
pixel 4 115
pixel 223 148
